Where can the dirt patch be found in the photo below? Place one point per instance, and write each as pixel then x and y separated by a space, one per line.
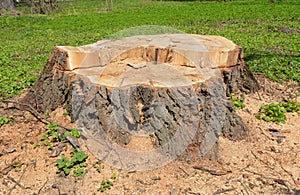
pixel 287 30
pixel 283 29
pixel 264 163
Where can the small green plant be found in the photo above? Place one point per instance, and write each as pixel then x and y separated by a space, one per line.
pixel 99 167
pixel 51 134
pixel 37 144
pixel 48 144
pixel 77 163
pixel 79 170
pixel 238 102
pixel 63 164
pixel 47 114
pixel 43 137
pixel 276 112
pixel 105 185
pixel 17 165
pixel 74 132
pixel 5 120
pixel 114 176
pixel 68 109
pixel 290 106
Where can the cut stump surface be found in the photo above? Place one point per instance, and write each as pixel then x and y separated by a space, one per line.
pixel 169 92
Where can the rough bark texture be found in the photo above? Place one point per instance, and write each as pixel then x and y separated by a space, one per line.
pixel 171 88
pixel 7 5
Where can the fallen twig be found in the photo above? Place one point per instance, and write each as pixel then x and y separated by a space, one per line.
pixel 260 174
pixel 7 169
pixel 264 133
pixel 223 191
pixel 182 169
pixel 282 182
pixel 17 182
pixel 244 186
pixel 37 114
pixel 145 183
pixel 258 94
pixel 259 159
pixel 279 181
pixel 286 171
pixel 58 149
pixel 291 175
pixel 194 193
pixel 43 186
pixel 74 142
pixel 212 172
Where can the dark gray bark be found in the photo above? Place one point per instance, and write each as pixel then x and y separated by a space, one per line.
pixel 7 5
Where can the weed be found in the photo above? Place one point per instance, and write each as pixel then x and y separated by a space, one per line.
pixel 79 171
pixel 47 114
pixel 51 133
pixel 43 137
pixel 74 132
pixel 276 112
pixel 290 106
pixel 17 165
pixel 238 102
pixel 79 156
pixel 50 136
pixel 37 144
pixel 105 185
pixel 48 144
pixel 5 120
pixel 99 167
pixel 77 163
pixel 68 109
pixel 63 164
pixel 113 176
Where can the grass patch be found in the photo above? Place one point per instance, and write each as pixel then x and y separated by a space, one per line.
pixel 268 32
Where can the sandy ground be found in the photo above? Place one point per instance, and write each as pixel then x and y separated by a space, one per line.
pixel 264 163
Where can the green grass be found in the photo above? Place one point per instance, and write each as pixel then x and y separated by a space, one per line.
pixel 276 112
pixel 26 41
pixel 5 120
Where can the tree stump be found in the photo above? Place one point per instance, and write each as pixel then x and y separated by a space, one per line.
pixel 169 92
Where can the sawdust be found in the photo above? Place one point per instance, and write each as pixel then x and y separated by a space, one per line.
pixel 264 163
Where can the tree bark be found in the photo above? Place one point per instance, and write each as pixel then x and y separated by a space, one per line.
pixel 172 89
pixel 7 5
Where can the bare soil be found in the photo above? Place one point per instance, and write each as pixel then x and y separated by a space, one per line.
pixel 267 162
